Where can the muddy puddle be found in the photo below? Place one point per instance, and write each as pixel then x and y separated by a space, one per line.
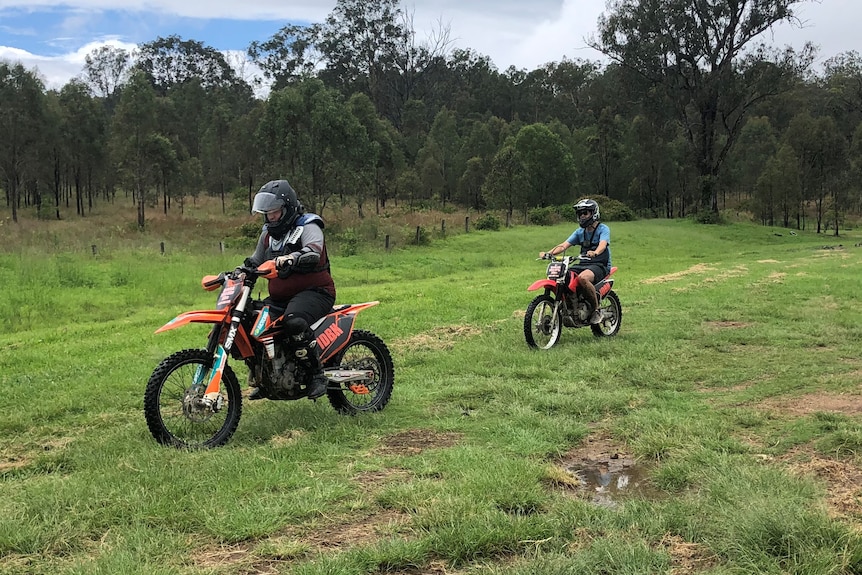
pixel 608 481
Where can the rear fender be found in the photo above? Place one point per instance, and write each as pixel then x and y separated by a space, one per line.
pixel 333 331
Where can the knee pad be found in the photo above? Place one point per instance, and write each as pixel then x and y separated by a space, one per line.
pixel 295 327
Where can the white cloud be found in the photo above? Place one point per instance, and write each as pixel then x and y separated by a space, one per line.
pixel 56 71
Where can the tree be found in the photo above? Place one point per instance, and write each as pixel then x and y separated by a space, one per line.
pixel 22 118
pixel 777 189
pixel 548 166
pixel 821 153
pixel 168 62
pixel 135 141
pixel 700 55
pixel 105 68
pixel 506 184
pixel 446 142
pixel 313 138
pixel 84 131
pixel 360 40
pixel 290 55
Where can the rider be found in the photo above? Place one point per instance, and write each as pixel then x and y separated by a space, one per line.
pixel 594 239
pixel 304 285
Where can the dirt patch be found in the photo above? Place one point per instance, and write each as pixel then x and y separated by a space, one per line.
pixel 843 480
pixel 12 463
pixel 269 555
pixel 695 269
pixel 361 532
pixel 595 449
pixel 726 324
pixel 235 559
pixel 439 338
pixel 846 404
pixel 414 441
pixel 687 558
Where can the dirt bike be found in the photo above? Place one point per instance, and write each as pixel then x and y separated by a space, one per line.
pixel 193 398
pixel 564 304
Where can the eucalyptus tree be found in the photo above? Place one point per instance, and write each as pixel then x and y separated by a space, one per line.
pixel 217 157
pixel 842 83
pixel 703 56
pixel 548 166
pixel 645 153
pixel 821 152
pixel 757 143
pixel 137 147
pixel 506 185
pixel 171 61
pixel 478 143
pixel 105 69
pixel 777 190
pixel 289 55
pixel 84 126
pixel 379 164
pixel 248 149
pixel 22 121
pixel 360 41
pixel 312 139
pixel 416 69
pixel 444 133
pixel 567 83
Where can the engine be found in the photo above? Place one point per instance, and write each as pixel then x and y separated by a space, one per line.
pixel 280 375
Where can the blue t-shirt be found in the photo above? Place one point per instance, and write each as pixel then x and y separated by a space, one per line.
pixel 589 240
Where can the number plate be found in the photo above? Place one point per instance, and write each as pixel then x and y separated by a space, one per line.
pixel 555 270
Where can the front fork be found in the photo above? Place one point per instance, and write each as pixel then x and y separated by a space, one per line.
pixel 211 377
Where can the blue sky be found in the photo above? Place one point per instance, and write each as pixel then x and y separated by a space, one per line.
pixel 55 36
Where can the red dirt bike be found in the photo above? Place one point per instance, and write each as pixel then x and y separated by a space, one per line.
pixel 193 398
pixel 564 304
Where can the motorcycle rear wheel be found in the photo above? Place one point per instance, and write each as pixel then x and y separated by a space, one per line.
pixel 612 316
pixel 172 405
pixel 542 327
pixel 364 351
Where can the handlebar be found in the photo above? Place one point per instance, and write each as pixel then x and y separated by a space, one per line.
pixel 559 258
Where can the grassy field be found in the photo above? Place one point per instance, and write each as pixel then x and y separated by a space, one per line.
pixel 730 402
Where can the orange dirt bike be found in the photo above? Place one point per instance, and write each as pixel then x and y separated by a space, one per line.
pixel 193 398
pixel 564 304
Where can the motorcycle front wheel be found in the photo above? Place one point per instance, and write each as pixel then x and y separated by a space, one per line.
pixel 542 327
pixel 364 351
pixel 176 410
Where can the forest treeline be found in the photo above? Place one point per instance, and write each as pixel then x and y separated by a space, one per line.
pixel 690 113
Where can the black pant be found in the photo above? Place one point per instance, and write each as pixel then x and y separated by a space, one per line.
pixel 311 304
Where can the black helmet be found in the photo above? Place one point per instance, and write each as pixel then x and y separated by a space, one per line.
pixel 272 196
pixel 587 206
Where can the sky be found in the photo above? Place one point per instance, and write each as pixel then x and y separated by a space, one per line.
pixel 54 36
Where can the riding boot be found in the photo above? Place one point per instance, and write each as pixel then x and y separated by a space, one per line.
pixel 309 353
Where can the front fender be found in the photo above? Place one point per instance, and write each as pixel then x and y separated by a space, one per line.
pixel 199 316
pixel 543 284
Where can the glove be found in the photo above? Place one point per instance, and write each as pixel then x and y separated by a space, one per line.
pixel 284 265
pixel 284 262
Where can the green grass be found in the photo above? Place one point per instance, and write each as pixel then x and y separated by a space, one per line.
pixel 723 329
